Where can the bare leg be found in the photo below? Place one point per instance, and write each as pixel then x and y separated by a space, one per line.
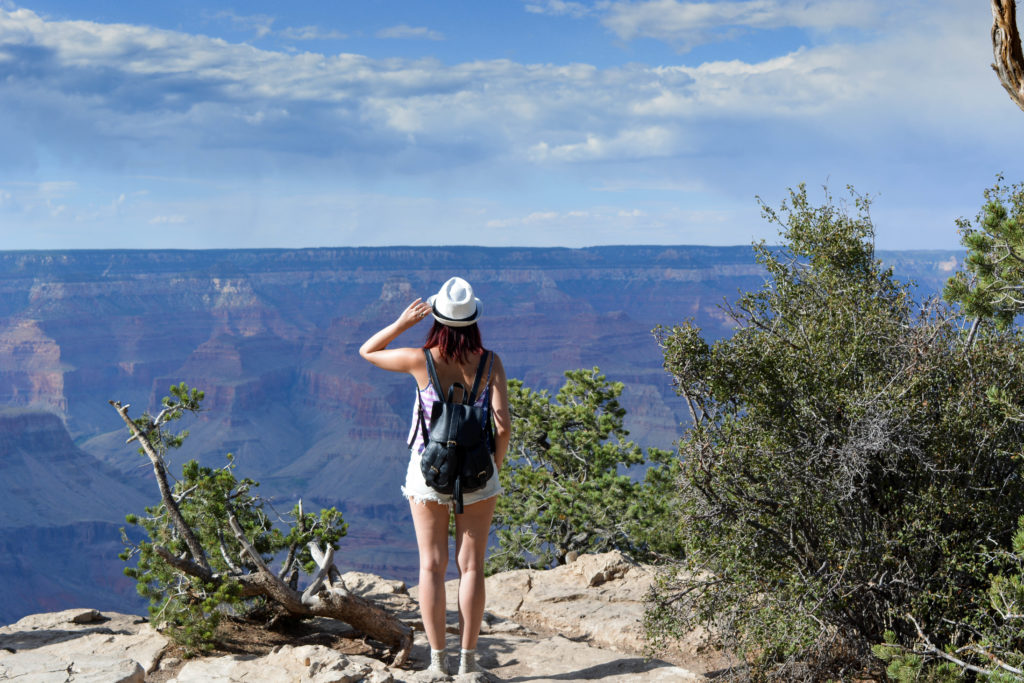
pixel 431 523
pixel 471 530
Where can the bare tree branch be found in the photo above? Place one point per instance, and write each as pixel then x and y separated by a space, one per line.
pixel 321 575
pixel 320 558
pixel 188 566
pixel 160 470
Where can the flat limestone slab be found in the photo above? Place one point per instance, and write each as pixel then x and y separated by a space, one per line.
pixel 554 659
pixel 87 633
pixel 597 599
pixel 303 664
pixel 46 667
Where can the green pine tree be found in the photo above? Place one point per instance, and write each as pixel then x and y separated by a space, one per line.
pixel 567 489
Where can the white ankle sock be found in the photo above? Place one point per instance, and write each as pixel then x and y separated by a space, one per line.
pixel 439 661
pixel 467 663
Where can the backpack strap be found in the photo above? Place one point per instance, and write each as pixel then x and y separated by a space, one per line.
pixel 487 387
pixel 421 422
pixel 432 371
pixel 479 374
pixel 488 415
pixel 421 419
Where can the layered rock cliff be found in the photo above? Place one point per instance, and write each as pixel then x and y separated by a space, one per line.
pixel 60 514
pixel 271 337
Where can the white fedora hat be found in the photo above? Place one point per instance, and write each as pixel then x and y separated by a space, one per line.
pixel 455 305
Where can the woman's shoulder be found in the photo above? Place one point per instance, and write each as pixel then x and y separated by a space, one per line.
pixel 494 361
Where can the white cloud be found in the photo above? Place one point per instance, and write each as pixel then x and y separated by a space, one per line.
pixel 611 225
pixel 687 24
pixel 260 24
pixel 405 31
pixel 167 220
pixel 46 198
pixel 559 8
pixel 311 33
pixel 126 94
pixel 640 143
pixel 52 188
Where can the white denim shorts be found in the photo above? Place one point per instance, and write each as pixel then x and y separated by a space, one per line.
pixel 416 488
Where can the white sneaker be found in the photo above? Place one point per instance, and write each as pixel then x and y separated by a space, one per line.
pixel 468 663
pixel 439 662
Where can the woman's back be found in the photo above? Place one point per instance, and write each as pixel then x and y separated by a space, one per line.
pixel 453 370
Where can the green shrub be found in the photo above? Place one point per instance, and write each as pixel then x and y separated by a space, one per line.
pixel 565 481
pixel 846 468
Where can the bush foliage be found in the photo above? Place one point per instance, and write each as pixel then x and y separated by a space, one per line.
pixel 849 471
pixel 565 480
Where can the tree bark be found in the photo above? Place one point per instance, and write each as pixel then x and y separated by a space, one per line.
pixel 1006 48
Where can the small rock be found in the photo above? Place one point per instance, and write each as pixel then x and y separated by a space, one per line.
pixel 85 616
pixel 598 569
pixel 365 585
pixel 169 662
pixel 306 663
pixel 380 676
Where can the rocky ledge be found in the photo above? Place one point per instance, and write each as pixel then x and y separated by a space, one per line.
pixel 580 621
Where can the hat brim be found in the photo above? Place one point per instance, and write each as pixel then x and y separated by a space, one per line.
pixel 454 322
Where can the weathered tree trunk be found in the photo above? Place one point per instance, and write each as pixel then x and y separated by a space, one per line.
pixel 328 600
pixel 1006 48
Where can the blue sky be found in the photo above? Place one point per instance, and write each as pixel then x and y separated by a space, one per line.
pixel 205 124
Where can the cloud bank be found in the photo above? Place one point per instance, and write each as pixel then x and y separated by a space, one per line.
pixel 81 98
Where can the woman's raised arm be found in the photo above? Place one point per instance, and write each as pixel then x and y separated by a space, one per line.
pixel 375 348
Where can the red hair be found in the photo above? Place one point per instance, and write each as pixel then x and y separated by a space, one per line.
pixel 455 343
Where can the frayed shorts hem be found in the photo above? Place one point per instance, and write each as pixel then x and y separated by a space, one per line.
pixel 416 489
pixel 443 499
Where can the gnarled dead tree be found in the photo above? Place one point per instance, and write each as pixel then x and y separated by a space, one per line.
pixel 1006 48
pixel 326 595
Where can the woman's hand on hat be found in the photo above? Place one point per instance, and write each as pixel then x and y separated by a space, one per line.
pixel 415 312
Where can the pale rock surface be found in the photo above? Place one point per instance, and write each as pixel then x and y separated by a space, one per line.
pixel 371 585
pixel 597 599
pixel 577 622
pixel 555 659
pixel 82 637
pixel 38 667
pixel 303 664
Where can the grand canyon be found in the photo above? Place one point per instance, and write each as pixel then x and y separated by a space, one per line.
pixel 271 337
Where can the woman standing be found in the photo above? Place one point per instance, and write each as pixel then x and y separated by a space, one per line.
pixel 457 353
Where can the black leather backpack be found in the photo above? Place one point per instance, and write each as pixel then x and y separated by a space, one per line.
pixel 456 458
